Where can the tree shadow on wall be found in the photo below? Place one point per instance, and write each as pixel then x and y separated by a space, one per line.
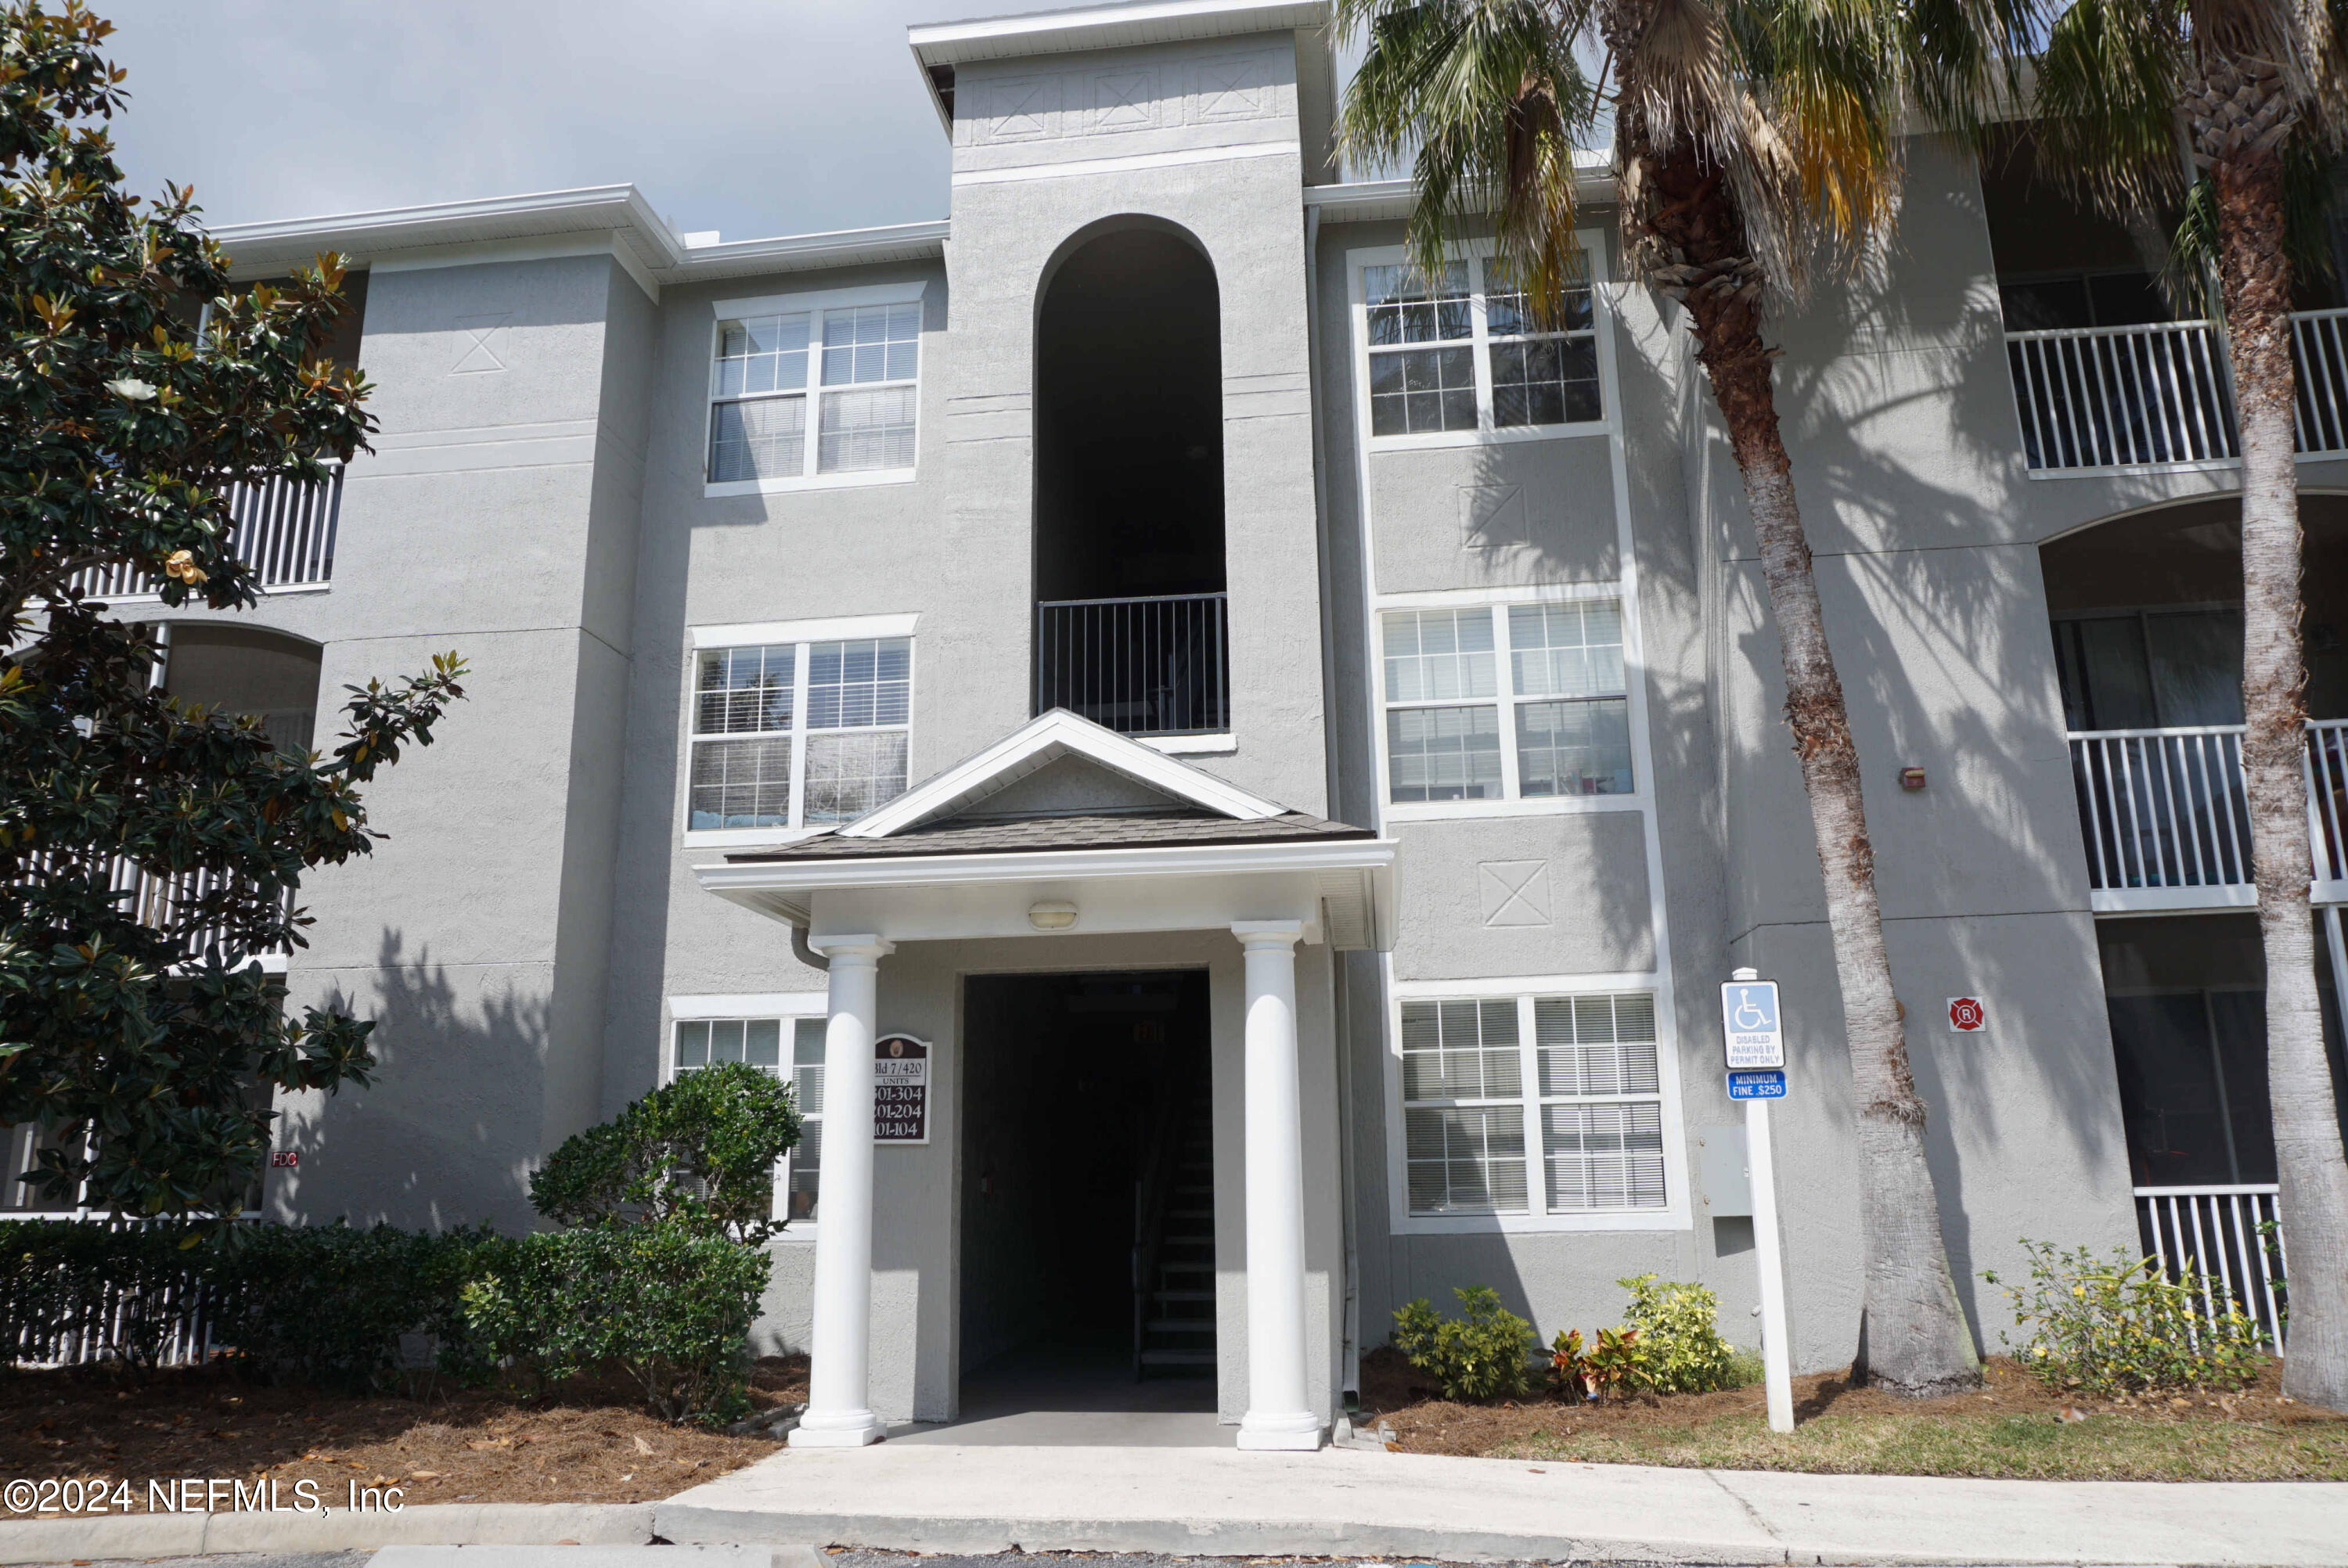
pixel 450 1128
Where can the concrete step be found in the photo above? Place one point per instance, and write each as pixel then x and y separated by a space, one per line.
pixel 1177 1357
pixel 1181 1325
pixel 1182 1296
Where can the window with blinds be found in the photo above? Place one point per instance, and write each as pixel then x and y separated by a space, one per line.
pixel 850 375
pixel 1506 701
pixel 1461 351
pixel 1532 1106
pixel 799 734
pixel 761 1042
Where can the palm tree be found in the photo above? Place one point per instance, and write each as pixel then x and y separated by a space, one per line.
pixel 1751 135
pixel 2260 89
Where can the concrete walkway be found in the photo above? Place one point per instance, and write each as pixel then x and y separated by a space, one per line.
pixel 1357 1502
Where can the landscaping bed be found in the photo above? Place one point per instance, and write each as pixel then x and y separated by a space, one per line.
pixel 2016 1428
pixel 582 1442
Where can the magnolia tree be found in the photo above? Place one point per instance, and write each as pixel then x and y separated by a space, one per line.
pixel 137 387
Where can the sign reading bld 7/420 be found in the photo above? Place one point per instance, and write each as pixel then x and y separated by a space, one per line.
pixel 900 1089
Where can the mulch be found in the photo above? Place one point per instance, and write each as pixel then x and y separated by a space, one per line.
pixel 1405 1400
pixel 583 1442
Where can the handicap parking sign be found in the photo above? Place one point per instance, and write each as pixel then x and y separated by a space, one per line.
pixel 1749 1022
pixel 1765 1084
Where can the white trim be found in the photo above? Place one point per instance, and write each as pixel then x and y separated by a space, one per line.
pixel 1105 26
pixel 910 291
pixel 832 629
pixel 813 303
pixel 718 490
pixel 1128 165
pixel 1674 1213
pixel 1191 746
pixel 1478 254
pixel 1638 799
pixel 1469 598
pixel 1044 740
pixel 749 1004
pixel 734 879
pixel 802 637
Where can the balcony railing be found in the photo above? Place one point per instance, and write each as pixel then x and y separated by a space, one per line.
pixel 1142 666
pixel 284 531
pixel 2167 825
pixel 2231 1236
pixel 167 901
pixel 2159 393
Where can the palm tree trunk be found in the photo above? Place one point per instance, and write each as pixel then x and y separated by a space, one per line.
pixel 1912 1336
pixel 2254 281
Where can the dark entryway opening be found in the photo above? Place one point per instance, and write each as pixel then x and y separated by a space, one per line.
pixel 1087 1241
pixel 1130 609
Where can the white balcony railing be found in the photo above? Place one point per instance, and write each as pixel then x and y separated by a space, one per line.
pixel 2166 824
pixel 168 902
pixel 1143 666
pixel 2230 1235
pixel 2162 393
pixel 284 531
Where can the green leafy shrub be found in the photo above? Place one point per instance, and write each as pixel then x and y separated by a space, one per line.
pixel 670 1302
pixel 700 1151
pixel 2123 1326
pixel 1679 1328
pixel 1483 1354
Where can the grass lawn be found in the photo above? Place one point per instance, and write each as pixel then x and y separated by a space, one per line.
pixel 2015 1428
pixel 586 1442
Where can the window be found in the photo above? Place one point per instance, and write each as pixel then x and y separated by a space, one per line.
pixel 799 734
pixel 857 364
pixel 1533 1106
pixel 759 1043
pixel 1561 727
pixel 1461 352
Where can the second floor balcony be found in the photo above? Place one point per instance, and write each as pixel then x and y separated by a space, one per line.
pixel 1147 667
pixel 2160 393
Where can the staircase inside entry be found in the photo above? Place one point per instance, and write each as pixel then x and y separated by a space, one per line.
pixel 1174 1252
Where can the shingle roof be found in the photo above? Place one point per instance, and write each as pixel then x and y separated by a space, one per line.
pixel 966 836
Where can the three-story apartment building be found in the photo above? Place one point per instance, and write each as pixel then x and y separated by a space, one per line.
pixel 1227 772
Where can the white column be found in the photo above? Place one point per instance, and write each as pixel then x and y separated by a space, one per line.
pixel 838 1413
pixel 1279 1415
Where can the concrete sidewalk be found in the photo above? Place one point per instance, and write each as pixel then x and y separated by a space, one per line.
pixel 1364 1502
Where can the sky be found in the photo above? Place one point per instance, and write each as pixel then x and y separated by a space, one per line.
pixel 754 118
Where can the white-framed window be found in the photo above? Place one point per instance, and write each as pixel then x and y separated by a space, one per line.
pixel 814 389
pixel 1540 1109
pixel 781 1035
pixel 1458 355
pixel 794 728
pixel 1526 699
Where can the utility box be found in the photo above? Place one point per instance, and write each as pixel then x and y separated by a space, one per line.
pixel 1722 1175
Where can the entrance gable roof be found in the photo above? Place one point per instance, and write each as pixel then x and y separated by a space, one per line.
pixel 1042 742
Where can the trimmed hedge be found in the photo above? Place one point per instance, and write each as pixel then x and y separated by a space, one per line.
pixel 325 1306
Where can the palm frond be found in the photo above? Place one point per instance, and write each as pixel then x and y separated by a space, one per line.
pixel 1486 97
pixel 2107 93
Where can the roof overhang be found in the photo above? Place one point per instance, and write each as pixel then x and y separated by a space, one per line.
pixel 614 218
pixel 1389 200
pixel 1341 889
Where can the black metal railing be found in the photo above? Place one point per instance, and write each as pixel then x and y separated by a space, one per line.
pixel 1140 666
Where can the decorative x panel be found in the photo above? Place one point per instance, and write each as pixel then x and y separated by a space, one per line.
pixel 1514 892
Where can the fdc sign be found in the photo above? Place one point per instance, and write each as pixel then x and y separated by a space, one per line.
pixel 1749 1020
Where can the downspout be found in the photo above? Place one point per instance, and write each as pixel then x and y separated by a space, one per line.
pixel 805 954
pixel 1349 1351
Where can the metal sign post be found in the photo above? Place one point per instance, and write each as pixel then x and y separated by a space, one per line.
pixel 1755 1038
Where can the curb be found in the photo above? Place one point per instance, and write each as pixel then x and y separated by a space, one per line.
pixel 688 1524
pixel 65 1540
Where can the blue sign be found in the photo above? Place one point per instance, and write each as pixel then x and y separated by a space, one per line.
pixel 1766 1083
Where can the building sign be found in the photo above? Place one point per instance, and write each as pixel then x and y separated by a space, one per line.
pixel 1968 1015
pixel 284 1158
pixel 1749 1022
pixel 900 1089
